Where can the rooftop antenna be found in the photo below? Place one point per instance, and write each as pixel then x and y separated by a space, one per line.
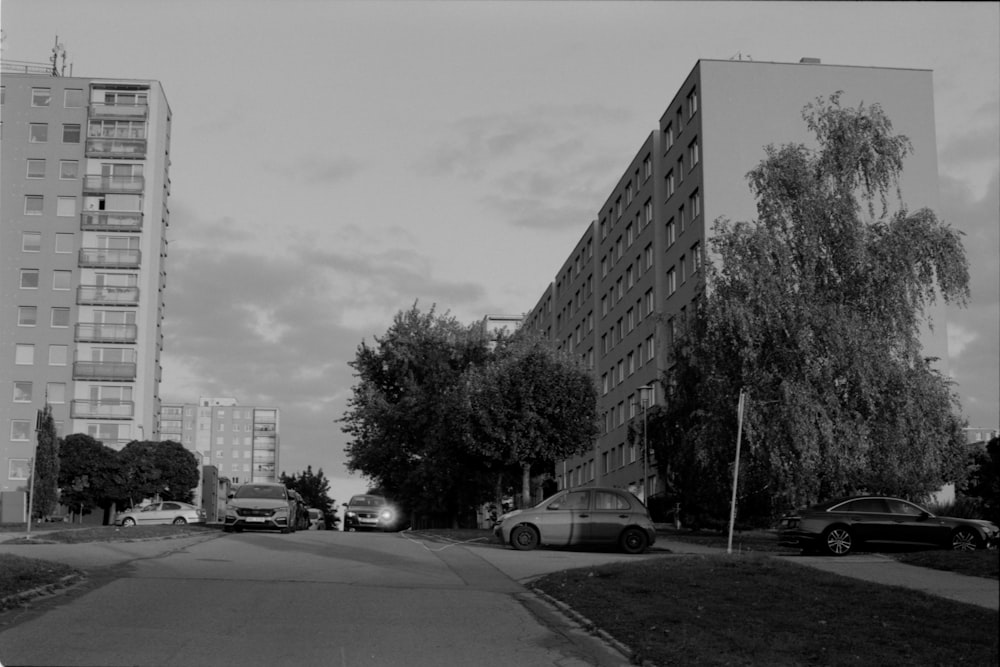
pixel 58 50
pixel 739 56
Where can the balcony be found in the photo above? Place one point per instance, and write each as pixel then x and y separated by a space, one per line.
pixel 96 332
pixel 110 371
pixel 120 148
pixel 110 258
pixel 102 409
pixel 111 221
pixel 129 111
pixel 107 295
pixel 96 184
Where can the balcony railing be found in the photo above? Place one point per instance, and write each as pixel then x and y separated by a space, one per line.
pixel 94 183
pixel 111 221
pixel 124 148
pixel 105 295
pixel 110 258
pixel 98 332
pixel 104 370
pixel 102 110
pixel 102 409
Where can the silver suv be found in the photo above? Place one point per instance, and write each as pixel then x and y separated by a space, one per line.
pixel 260 506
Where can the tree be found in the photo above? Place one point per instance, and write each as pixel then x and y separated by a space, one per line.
pixel 46 468
pixel 314 489
pixel 815 309
pixel 401 419
pixel 529 407
pixel 88 475
pixel 157 469
pixel 984 479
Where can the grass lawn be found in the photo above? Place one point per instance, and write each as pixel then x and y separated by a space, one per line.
pixel 103 534
pixel 752 609
pixel 19 574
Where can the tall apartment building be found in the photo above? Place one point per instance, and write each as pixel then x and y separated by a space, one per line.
pixel 241 442
pixel 84 212
pixel 623 294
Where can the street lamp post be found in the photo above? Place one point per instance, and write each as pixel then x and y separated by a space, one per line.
pixel 644 401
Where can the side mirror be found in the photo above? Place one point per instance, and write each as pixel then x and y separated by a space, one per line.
pixel 230 495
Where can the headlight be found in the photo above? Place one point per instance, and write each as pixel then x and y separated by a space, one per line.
pixel 350 514
pixel 385 515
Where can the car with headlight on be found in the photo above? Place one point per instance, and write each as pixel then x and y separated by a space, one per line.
pixel 591 516
pixel 371 512
pixel 839 527
pixel 260 506
pixel 170 511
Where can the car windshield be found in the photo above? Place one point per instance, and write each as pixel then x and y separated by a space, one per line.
pixel 262 491
pixel 367 501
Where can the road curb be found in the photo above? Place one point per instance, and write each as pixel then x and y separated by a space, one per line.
pixel 58 587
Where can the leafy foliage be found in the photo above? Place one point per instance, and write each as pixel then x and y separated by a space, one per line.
pixel 89 474
pixel 46 469
pixel 815 309
pixel 313 487
pixel 401 417
pixel 530 406
pixel 983 482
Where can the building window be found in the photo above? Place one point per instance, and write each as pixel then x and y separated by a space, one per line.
pixel 64 243
pixel 33 204
pixel 671 281
pixel 17 469
pixel 650 348
pixel 68 169
pixel 682 215
pixel 20 431
pixel 630 276
pixel 24 354
pixel 683 264
pixel 40 97
pixel 55 392
pixel 695 204
pixel 60 318
pixel 668 137
pixel 71 133
pixel 66 207
pixel 649 302
pixel 648 208
pixel 61 280
pixel 696 257
pixel 671 232
pixel 692 102
pixel 630 317
pixel 31 241
pixel 22 391
pixel 694 154
pixel 629 235
pixel 58 355
pixel 29 278
pixel 618 207
pixel 648 257
pixel 671 184
pixel 680 169
pixel 38 133
pixel 36 169
pixel 73 98
pixel 27 316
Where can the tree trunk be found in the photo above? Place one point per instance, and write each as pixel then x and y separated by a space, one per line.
pixel 525 485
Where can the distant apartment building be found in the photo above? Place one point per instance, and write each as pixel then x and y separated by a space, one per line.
pixel 85 185
pixel 241 442
pixel 622 296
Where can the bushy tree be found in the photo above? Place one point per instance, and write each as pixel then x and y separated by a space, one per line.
pixel 983 482
pixel 89 475
pixel 529 407
pixel 166 470
pixel 401 418
pixel 313 487
pixel 815 309
pixel 46 468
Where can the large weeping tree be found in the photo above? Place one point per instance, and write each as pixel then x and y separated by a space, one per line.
pixel 816 310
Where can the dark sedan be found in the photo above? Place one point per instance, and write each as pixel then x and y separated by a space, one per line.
pixel 838 527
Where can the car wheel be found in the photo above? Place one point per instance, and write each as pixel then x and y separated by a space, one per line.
pixel 524 538
pixel 632 541
pixel 180 521
pixel 128 521
pixel 837 541
pixel 964 539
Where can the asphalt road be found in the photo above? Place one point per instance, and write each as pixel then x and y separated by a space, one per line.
pixel 310 598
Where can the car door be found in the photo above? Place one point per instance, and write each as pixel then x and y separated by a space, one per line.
pixel 168 512
pixel 868 518
pixel 608 514
pixel 559 521
pixel 149 514
pixel 915 524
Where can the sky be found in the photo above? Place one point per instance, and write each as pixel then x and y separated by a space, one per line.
pixel 334 163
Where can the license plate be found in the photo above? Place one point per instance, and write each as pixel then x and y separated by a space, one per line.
pixel 255 519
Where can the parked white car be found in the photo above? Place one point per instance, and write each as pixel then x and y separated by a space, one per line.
pixel 170 511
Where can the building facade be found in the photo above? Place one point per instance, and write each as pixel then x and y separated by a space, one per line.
pixel 85 187
pixel 242 442
pixel 623 295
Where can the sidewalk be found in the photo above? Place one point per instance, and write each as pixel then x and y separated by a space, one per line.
pixel 878 569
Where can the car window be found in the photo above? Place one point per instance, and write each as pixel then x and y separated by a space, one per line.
pixel 606 500
pixel 252 491
pixel 151 508
pixel 171 506
pixel 575 500
pixel 903 507
pixel 862 505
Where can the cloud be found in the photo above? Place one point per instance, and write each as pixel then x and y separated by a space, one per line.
pixel 318 169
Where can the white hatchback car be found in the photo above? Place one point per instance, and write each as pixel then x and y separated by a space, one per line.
pixel 171 511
